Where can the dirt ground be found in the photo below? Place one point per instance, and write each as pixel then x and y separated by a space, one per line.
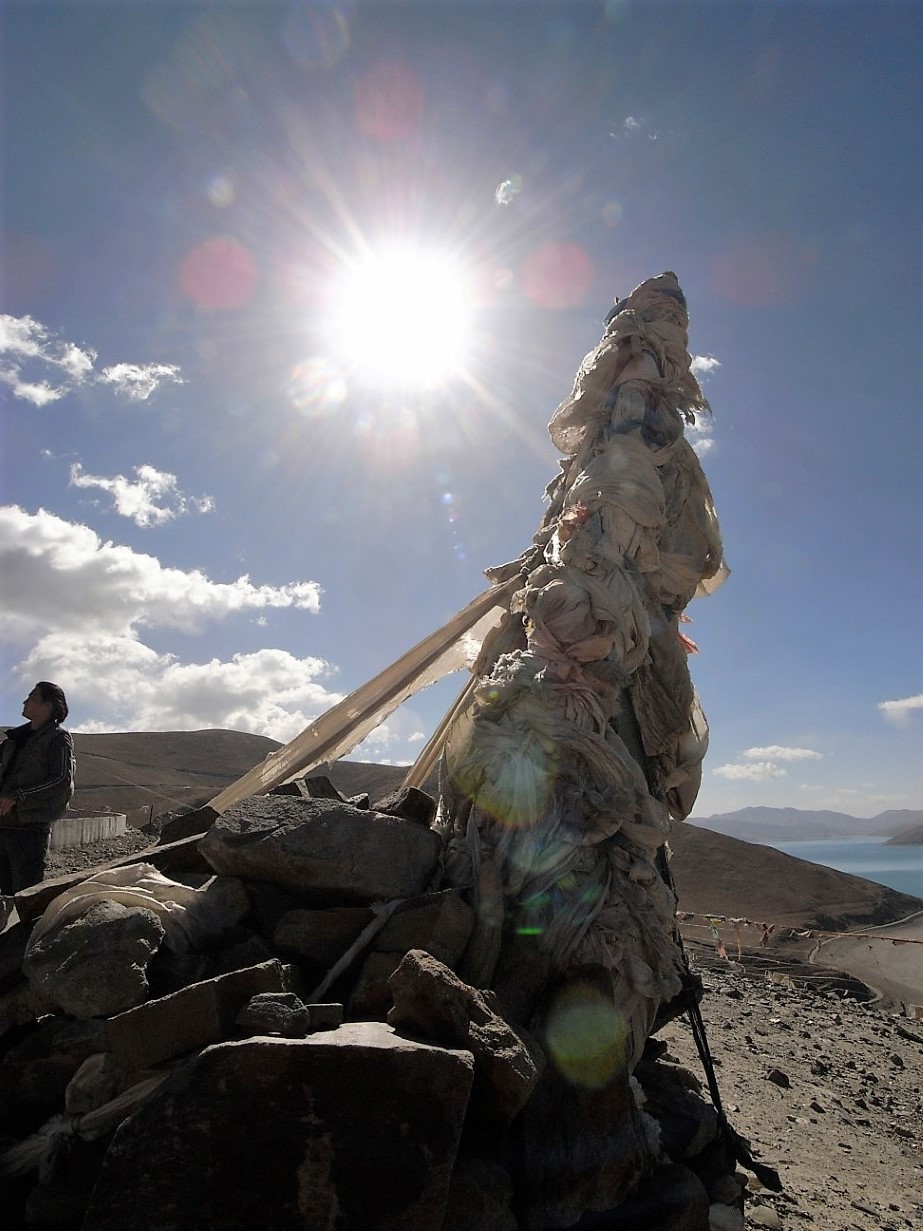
pixel 827 1089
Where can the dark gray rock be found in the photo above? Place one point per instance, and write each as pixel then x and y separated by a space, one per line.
pixel 688 1123
pixel 186 824
pixel 356 1129
pixel 317 786
pixel 326 1016
pixel 324 848
pixel 479 1198
pixel 431 1002
pixel 440 924
pixel 96 964
pixel 411 803
pixel 277 1013
pixel 321 936
pixel 672 1199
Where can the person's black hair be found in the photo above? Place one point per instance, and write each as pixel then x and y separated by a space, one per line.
pixel 53 694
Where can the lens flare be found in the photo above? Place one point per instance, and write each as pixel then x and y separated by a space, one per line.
pixel 389 103
pixel 585 1036
pixel 612 213
pixel 557 275
pixel 519 780
pixel 316 36
pixel 317 387
pixel 219 274
pixel 220 191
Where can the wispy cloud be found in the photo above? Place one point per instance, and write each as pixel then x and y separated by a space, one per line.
pixel 702 365
pixel 781 752
pixel 152 499
pixel 41 368
pixel 901 712
pixel 634 127
pixel 758 771
pixel 138 381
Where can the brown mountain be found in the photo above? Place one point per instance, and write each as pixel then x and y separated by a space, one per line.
pixel 716 874
pixel 913 836
pixel 168 770
pixel 175 770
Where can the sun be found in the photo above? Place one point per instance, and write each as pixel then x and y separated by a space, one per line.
pixel 402 317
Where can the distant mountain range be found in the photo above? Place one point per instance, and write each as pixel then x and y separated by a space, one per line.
pixel 169 771
pixel 796 824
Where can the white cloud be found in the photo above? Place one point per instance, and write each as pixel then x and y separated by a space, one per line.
pixel 779 752
pixel 150 500
pixel 631 123
pixel 759 771
pixel 900 712
pixel 61 576
pixel 699 435
pixel 80 606
pixel 26 343
pixel 39 393
pixel 137 381
pixel 416 737
pixel 701 365
pixel 268 692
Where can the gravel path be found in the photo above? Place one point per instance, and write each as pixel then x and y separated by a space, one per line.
pixel 90 855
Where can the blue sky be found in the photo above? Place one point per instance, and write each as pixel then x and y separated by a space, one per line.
pixel 220 511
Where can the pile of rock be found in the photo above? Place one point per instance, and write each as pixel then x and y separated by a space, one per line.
pixel 266 1026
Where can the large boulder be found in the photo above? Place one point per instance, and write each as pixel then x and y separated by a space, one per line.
pixel 321 936
pixel 439 923
pixel 431 1002
pixel 357 1128
pixel 323 849
pixel 96 964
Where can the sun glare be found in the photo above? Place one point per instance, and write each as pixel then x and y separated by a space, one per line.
pixel 402 317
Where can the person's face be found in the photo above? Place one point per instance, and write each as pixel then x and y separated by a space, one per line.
pixel 35 709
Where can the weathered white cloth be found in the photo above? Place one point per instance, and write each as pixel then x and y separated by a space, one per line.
pixel 583 733
pixel 190 916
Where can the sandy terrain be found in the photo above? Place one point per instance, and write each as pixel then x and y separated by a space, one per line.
pixel 892 965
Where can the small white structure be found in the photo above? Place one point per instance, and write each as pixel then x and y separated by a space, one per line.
pixel 73 830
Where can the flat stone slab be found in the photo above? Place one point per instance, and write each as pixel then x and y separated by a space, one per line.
pixel 323 848
pixel 354 1129
pixel 193 1017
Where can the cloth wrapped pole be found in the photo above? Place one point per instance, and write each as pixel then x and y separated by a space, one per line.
pixel 582 735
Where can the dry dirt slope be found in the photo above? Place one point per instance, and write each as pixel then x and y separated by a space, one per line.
pixel 170 770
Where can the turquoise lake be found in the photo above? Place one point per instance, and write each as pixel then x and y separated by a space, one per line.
pixel 898 867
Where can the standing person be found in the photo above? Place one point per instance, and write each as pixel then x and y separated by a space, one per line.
pixel 36 785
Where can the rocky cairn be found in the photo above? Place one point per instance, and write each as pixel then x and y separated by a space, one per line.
pixel 263 1021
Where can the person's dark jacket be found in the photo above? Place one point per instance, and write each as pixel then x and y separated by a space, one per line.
pixel 38 772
